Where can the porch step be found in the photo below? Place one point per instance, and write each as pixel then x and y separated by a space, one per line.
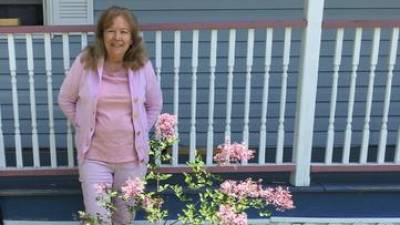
pixel 271 221
pixel 353 195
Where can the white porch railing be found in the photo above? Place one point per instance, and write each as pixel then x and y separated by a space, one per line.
pixel 229 52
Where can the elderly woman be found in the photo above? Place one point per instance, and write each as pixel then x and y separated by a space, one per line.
pixel 112 97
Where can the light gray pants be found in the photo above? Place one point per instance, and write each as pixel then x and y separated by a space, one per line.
pixel 113 174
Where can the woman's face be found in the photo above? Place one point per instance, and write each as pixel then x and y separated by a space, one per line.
pixel 117 39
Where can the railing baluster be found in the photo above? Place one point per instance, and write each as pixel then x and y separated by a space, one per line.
pixel 66 61
pixel 83 40
pixel 285 66
pixel 2 150
pixel 391 63
pixel 177 63
pixel 13 73
pixel 336 66
pixel 263 126
pixel 229 88
pixel 195 50
pixel 48 62
pixel 211 97
pixel 355 62
pixel 373 62
pixel 32 97
pixel 249 65
pixel 158 54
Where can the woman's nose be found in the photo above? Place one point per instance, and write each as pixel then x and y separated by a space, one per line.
pixel 117 35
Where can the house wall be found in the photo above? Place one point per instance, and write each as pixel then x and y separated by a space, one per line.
pixel 159 11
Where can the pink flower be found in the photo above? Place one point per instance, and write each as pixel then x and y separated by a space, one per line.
pixel 133 187
pixel 165 126
pixel 101 188
pixel 235 152
pixel 244 189
pixel 227 216
pixel 279 197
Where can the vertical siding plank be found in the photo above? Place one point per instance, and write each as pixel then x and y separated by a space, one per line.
pixel 32 97
pixel 229 88
pixel 391 63
pixel 373 62
pixel 195 50
pixel 158 54
pixel 355 62
pixel 13 73
pixel 249 65
pixel 336 66
pixel 177 64
pixel 66 61
pixel 211 97
pixel 48 62
pixel 267 66
pixel 2 150
pixel 281 122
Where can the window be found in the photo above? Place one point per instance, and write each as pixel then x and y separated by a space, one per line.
pixel 46 12
pixel 21 12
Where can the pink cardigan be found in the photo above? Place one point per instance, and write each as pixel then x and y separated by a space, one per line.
pixel 78 99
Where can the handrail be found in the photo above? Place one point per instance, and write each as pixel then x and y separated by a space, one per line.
pixel 360 23
pixel 162 26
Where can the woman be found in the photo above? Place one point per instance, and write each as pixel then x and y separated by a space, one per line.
pixel 112 97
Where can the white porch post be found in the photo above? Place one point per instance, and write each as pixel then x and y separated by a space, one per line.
pixel 306 92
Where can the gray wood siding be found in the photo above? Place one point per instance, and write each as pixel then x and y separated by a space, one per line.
pixel 158 11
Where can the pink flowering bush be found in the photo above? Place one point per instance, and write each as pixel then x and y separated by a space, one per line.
pixel 219 202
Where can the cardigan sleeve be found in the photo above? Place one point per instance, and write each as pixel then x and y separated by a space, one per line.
pixel 154 100
pixel 69 91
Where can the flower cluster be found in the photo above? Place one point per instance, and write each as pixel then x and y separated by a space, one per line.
pixel 279 197
pixel 133 188
pixel 227 216
pixel 235 152
pixel 165 127
pixel 226 205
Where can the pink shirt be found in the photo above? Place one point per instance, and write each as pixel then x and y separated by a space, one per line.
pixel 113 138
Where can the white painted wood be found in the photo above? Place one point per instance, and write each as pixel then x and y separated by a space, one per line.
pixel 48 65
pixel 355 62
pixel 195 53
pixel 397 151
pixel 32 98
pixel 84 40
pixel 158 54
pixel 373 62
pixel 264 107
pixel 306 92
pixel 14 89
pixel 66 61
pixel 391 63
pixel 67 12
pixel 282 106
pixel 211 97
pixel 177 64
pixel 2 150
pixel 229 86
pixel 336 66
pixel 249 65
